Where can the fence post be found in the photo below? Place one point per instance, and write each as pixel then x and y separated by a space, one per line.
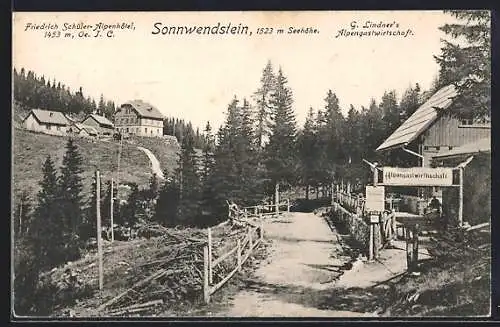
pixel 261 231
pixel 206 289
pixel 239 255
pixel 288 205
pixel 376 239
pixel 250 238
pixel 370 247
pixel 210 273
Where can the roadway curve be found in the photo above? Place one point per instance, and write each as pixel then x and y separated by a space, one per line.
pixel 155 164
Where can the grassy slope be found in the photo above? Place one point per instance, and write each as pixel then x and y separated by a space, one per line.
pixel 30 150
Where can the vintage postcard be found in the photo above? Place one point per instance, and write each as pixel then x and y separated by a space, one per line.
pixel 251 164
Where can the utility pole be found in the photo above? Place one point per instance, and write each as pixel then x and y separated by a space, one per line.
pixel 111 213
pixel 117 187
pixel 99 238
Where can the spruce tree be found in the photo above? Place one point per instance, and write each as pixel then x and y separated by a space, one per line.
pixel 391 112
pixel 410 101
pixel 167 206
pixel 129 211
pixel 465 61
pixel 281 157
pixel 48 234
pixel 307 144
pixel 207 169
pixel 262 98
pixel 70 186
pixel 89 227
pixel 189 181
pixel 331 125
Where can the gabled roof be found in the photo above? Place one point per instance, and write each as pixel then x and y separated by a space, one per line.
pixel 49 117
pixel 101 120
pixel 421 119
pixel 481 145
pixel 87 128
pixel 144 109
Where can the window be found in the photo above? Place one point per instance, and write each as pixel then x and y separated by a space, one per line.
pixel 466 122
pixel 127 129
pixel 450 147
pixel 145 129
pixel 426 147
pixel 49 127
pixel 137 130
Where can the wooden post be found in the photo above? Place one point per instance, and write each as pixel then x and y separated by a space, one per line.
pixel 461 198
pixel 333 191
pixel 210 273
pixel 99 232
pixel 415 248
pixel 370 247
pixel 277 196
pixel 250 238
pixel 376 239
pixel 111 214
pixel 20 217
pixel 261 231
pixel 206 288
pixel 239 255
pixel 288 205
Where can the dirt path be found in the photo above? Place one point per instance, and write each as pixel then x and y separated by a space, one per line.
pixel 297 278
pixel 155 164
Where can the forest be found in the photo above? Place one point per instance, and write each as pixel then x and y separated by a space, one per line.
pixel 259 146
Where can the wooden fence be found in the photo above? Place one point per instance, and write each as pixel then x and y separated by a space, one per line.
pixel 241 251
pixel 244 247
pixel 373 233
pixel 261 210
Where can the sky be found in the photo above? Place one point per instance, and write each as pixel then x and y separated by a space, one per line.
pixel 194 77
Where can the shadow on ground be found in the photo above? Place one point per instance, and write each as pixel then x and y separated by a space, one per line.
pixel 352 299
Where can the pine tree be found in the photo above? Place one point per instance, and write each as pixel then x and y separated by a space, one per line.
pixel 331 122
pixel 48 234
pixel 466 62
pixel 189 181
pixel 101 107
pixel 410 101
pixel 308 150
pixel 70 185
pixel 390 109
pixel 167 206
pixel 130 209
pixel 207 169
pixel 89 227
pixel 263 97
pixel 280 151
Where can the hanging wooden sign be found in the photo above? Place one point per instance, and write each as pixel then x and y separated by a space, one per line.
pixel 417 176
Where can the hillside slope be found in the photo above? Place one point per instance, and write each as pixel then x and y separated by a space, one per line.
pixel 31 149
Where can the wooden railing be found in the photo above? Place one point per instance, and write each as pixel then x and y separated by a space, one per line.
pixel 241 251
pixel 260 210
pixel 244 247
pixel 353 203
